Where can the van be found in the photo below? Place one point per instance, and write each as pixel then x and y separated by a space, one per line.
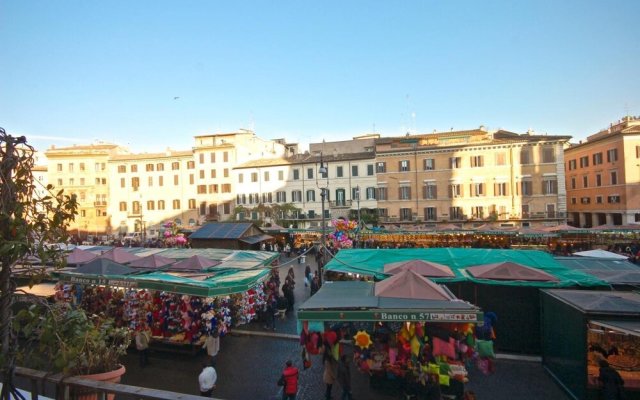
pixel 133 236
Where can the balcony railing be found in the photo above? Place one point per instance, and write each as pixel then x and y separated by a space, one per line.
pixel 340 204
pixel 100 203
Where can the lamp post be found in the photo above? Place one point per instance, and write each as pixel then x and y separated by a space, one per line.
pixel 359 220
pixel 323 170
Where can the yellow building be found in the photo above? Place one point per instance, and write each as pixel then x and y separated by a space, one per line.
pixel 603 176
pixel 82 170
pixel 470 178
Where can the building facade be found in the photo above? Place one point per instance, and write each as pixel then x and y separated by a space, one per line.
pixel 471 178
pixel 603 176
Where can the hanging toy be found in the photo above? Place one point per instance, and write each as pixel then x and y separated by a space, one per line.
pixel 362 339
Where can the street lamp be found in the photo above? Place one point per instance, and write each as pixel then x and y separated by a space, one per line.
pixel 323 170
pixel 359 220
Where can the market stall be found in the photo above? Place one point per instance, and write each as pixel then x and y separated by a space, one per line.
pixel 404 330
pixel 582 327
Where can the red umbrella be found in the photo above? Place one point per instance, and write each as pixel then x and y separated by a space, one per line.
pixel 420 267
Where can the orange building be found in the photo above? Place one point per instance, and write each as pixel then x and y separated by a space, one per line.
pixel 603 176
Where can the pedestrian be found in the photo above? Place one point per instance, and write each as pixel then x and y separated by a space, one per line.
pixel 315 284
pixel 612 382
pixel 207 379
pixel 270 313
pixel 344 377
pixel 143 336
pixel 289 381
pixel 330 370
pixel 212 345
pixel 307 276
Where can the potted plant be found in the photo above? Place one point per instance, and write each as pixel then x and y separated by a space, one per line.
pixel 62 339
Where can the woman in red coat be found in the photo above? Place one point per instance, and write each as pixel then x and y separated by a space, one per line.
pixel 290 379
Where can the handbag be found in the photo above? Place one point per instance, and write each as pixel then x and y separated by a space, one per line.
pixel 281 381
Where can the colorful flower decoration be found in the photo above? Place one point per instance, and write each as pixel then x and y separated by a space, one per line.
pixel 345 230
pixel 362 339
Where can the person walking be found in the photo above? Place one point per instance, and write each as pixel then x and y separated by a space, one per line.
pixel 344 377
pixel 207 379
pixel 212 345
pixel 315 284
pixel 289 380
pixel 330 370
pixel 143 336
pixel 612 382
pixel 307 276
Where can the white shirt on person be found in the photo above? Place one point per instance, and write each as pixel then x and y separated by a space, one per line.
pixel 207 379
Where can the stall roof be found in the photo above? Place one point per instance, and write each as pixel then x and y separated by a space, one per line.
pixel 355 301
pixel 612 271
pixel 599 302
pixel 371 262
pixel 598 253
pixel 222 230
pixel 629 327
pixel 256 238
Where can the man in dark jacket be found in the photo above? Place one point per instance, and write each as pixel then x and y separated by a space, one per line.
pixel 612 383
pixel 344 377
pixel 290 378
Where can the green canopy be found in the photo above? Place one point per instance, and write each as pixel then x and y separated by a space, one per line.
pixel 371 262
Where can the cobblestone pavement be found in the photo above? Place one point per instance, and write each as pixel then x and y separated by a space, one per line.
pixel 249 365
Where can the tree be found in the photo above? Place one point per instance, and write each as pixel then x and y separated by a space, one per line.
pixel 27 224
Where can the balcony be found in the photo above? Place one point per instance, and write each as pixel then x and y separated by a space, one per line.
pixel 100 203
pixel 135 214
pixel 340 204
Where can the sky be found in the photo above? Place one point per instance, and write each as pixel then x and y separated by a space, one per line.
pixel 152 74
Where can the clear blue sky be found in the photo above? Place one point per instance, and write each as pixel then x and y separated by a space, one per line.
pixel 78 71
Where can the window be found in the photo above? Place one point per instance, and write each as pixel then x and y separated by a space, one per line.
pixel 477 212
pixel 455 213
pixel 240 177
pixel 82 181
pixel 201 174
pixel 526 188
pixel 281 197
pixel 525 211
pixel 598 199
pixel 477 189
pixel 382 193
pixel 309 173
pixel 122 182
pixel 584 162
pixel 71 182
pixel 371 193
pixel 369 169
pixel 254 177
pixel 573 182
pixel 176 180
pixel 135 182
pixel 150 181
pixel 455 190
pixel 123 206
pixel 296 196
pixel 160 204
pixel 455 162
pixel 429 164
pixel 176 204
pixel 149 167
pixel 430 214
pixel 573 200
pixel 613 198
pixel 225 172
pixel 121 169
pixel 213 173
pixel 355 193
pixel 550 186
pixel 226 188
pixel 354 170
pixel 175 166
pixel 59 181
pixel 614 177
pixel 134 168
pixel 548 155
pixel 404 166
pixel 501 189
pixel 383 212
pixel 381 167
pixel 135 207
pixel 213 188
pixel 477 161
pixel 280 175
pixel 404 192
pixel 151 205
pixel 201 158
pixel 161 181
pixel 82 167
pixel 266 176
pixel 585 181
pixel 405 214
pixel 525 156
pixel 225 158
pixel 585 200
pixel 160 167
pixel 341 197
pixel 212 157
pixel 191 179
pixel 430 191
pixel 572 165
pixel 339 171
pixel 192 202
pixel 612 155
pixel 202 189
pixel 597 159
pixel 296 174
pixel 501 159
pixel 598 180
pixel 311 195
